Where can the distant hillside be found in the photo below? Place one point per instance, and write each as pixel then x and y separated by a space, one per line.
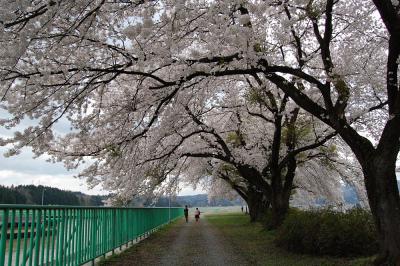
pixel 200 200
pixel 349 195
pixel 30 194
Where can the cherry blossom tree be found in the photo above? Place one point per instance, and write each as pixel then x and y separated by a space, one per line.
pixel 261 143
pixel 309 187
pixel 223 180
pixel 113 67
pixel 260 136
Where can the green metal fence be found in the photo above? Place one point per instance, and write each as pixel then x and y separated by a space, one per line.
pixel 61 235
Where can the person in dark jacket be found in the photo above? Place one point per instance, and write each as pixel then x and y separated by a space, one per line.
pixel 186 212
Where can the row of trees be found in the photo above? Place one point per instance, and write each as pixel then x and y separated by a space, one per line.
pixel 256 93
pixel 30 194
pixel 10 196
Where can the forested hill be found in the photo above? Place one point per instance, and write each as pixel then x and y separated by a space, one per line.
pixel 200 200
pixel 30 194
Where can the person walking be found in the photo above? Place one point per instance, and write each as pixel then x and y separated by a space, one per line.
pixel 186 212
pixel 197 214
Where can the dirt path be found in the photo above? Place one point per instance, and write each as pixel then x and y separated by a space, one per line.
pixel 183 244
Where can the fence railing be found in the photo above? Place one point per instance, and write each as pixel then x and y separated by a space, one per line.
pixel 63 235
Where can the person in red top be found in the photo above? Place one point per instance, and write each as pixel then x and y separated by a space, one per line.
pixel 197 214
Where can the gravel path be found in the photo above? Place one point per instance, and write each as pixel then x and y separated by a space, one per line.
pixel 193 243
pixel 198 243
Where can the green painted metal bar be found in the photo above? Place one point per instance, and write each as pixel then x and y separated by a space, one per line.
pixel 18 251
pixel 61 246
pixel 11 242
pixel 69 237
pixel 31 242
pixel 25 250
pixel 44 222
pixel 65 235
pixel 79 237
pixel 49 235
pixel 54 235
pixel 94 231
pixel 37 237
pixel 3 238
pixel 66 238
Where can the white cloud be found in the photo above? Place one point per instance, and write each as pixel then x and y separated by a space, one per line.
pixel 66 182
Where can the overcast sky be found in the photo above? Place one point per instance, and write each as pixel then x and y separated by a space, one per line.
pixel 24 170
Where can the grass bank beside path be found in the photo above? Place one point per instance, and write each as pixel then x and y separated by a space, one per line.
pixel 256 244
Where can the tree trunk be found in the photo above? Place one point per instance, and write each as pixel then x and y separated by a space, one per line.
pixel 279 209
pixel 379 169
pixel 258 205
pixel 384 200
pixel 282 188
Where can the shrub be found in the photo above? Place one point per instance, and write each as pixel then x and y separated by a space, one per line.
pixel 328 232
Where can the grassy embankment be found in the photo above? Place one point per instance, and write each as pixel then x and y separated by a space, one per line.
pixel 256 244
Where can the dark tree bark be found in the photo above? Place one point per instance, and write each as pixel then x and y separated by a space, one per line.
pixel 279 210
pixel 258 205
pixel 379 166
pixel 281 196
pixel 383 195
pixel 256 199
pixel 258 192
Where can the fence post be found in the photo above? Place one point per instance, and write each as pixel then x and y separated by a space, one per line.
pixel 3 241
pixel 37 237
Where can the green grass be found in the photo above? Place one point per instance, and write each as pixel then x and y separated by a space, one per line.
pixel 256 244
pixel 214 210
